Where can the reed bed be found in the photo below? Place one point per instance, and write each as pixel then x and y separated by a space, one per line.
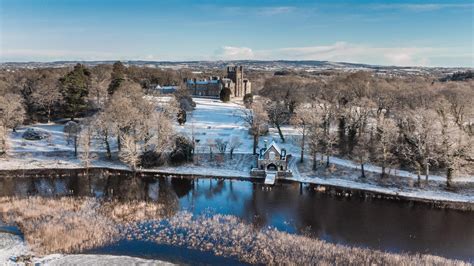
pixel 68 225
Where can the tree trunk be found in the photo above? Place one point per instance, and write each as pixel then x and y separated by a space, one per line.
pixel 107 147
pixel 427 171
pixel 419 175
pixel 327 161
pixel 302 148
pixel 119 146
pixel 362 170
pixel 49 115
pixel 231 154
pixel 255 143
pixel 383 169
pixel 280 133
pixel 315 161
pixel 75 145
pixel 449 176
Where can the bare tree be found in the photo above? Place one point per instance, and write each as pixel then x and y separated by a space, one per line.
pixel 12 114
pixel 234 144
pixel 47 95
pixel 314 136
pixel 327 145
pixel 221 145
pixel 163 132
pixel 386 134
pixel 130 152
pixel 305 118
pixel 455 144
pixel 100 80
pixel 104 127
pixel 278 115
pixel 362 151
pixel 418 128
pixel 211 144
pixel 72 130
pixel 85 144
pixel 256 120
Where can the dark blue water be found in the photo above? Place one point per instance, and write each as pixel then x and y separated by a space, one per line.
pixel 378 224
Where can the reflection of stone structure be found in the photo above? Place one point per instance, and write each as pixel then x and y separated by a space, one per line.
pixel 272 162
pixel 234 80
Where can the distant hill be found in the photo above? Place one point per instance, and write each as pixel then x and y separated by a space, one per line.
pixel 276 65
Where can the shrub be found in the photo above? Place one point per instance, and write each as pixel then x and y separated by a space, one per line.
pixel 181 117
pixel 248 100
pixel 151 159
pixel 182 151
pixel 225 94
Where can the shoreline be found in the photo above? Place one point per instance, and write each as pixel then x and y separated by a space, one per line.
pixel 317 184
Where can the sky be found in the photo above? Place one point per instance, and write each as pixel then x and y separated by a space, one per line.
pixel 403 33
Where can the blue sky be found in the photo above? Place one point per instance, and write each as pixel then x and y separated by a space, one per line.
pixel 427 33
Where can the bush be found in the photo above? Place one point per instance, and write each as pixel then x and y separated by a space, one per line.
pixel 151 159
pixel 248 100
pixel 187 103
pixel 225 94
pixel 182 151
pixel 31 134
pixel 181 117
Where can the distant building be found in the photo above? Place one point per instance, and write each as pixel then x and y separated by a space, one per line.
pixel 166 89
pixel 211 87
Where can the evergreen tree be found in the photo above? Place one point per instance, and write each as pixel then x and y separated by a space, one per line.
pixel 118 76
pixel 225 94
pixel 181 117
pixel 75 89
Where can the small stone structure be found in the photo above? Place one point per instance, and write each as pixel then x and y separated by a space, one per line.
pixel 272 160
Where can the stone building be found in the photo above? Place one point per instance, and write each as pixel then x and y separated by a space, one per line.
pixel 211 87
pixel 272 163
pixel 272 158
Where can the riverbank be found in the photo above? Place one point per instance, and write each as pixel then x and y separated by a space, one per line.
pixel 335 186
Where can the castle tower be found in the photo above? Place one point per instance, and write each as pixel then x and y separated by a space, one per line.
pixel 236 74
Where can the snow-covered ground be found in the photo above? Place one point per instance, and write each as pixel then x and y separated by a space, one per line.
pixel 13 247
pixel 211 120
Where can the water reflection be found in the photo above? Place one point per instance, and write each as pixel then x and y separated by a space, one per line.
pixel 377 224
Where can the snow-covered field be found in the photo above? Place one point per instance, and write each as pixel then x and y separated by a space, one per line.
pixel 211 120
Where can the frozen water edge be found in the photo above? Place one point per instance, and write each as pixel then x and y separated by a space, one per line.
pixel 414 193
pixel 12 246
pixel 57 259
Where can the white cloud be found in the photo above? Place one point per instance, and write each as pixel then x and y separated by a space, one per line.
pixel 234 53
pixel 52 55
pixel 342 52
pixel 271 11
pixel 423 7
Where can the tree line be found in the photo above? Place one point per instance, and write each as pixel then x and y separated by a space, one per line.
pixel 104 103
pixel 409 122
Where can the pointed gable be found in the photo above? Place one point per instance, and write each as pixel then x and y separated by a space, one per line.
pixel 273 146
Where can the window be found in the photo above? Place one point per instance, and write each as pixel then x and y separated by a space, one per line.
pixel 272 155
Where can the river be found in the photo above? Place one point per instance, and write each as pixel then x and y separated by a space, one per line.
pixel 375 223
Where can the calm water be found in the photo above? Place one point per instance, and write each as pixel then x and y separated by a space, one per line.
pixel 379 224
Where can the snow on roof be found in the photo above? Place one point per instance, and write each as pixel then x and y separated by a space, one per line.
pixel 277 148
pixel 203 82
